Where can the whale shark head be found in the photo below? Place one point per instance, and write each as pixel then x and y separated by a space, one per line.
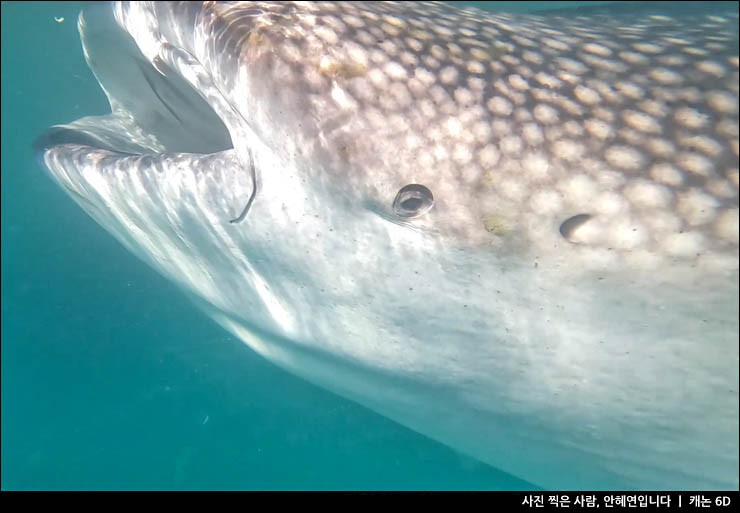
pixel 515 234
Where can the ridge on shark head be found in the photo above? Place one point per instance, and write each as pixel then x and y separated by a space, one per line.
pixel 515 234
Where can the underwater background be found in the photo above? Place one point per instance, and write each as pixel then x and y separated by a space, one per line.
pixel 112 379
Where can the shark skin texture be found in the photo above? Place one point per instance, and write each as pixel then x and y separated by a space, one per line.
pixel 516 234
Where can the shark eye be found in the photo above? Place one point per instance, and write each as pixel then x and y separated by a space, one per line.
pixel 413 200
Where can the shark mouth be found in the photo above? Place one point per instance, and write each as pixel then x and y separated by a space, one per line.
pixel 154 110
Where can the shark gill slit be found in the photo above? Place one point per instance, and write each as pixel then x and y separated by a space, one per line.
pixel 253 175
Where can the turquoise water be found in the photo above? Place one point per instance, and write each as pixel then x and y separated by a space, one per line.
pixel 111 379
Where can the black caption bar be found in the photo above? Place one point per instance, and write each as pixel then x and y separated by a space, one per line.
pixel 626 500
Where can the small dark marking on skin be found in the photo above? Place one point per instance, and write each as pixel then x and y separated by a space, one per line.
pixel 253 173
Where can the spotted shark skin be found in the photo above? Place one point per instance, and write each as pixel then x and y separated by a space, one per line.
pixel 566 311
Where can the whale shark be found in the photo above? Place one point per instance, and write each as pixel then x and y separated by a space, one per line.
pixel 516 234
